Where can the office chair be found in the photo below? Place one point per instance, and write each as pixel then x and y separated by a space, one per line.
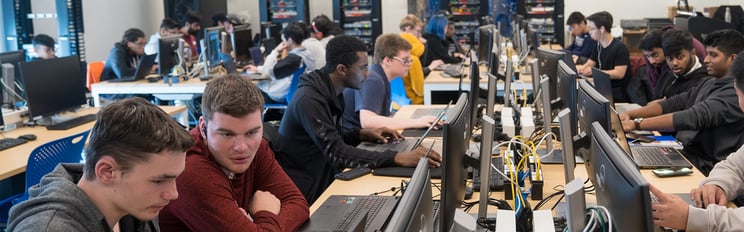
pixel 292 88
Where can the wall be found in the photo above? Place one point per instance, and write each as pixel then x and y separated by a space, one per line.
pixel 392 12
pixel 106 21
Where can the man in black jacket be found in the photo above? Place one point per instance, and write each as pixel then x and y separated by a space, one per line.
pixel 686 70
pixel 312 147
pixel 707 118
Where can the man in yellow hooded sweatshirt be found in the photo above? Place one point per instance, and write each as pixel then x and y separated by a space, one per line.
pixel 410 27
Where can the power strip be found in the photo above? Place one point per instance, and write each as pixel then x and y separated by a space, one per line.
pixel 527 122
pixel 507 122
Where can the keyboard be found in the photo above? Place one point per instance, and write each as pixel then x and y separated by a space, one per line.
pixel 368 205
pixel 6 143
pixel 72 122
pixel 393 145
pixel 651 155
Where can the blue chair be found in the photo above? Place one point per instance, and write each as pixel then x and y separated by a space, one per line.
pixel 292 88
pixel 398 94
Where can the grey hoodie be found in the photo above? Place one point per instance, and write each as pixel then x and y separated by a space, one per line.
pixel 57 204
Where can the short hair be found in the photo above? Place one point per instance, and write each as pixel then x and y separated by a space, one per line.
pixel 437 25
pixel 169 23
pixel 388 45
pixel 602 19
pixel 190 17
pixel 323 24
pixel 650 40
pixel 410 21
pixel 130 131
pixel 295 31
pixel 43 40
pixel 737 71
pixel 343 50
pixel 232 95
pixel 224 17
pixel 673 41
pixel 575 18
pixel 131 35
pixel 728 41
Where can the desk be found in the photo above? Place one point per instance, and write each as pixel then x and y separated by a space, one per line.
pixel 13 161
pixel 183 90
pixel 553 174
pixel 438 82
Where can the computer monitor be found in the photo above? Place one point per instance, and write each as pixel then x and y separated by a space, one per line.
pixel 592 107
pixel 53 86
pixel 415 208
pixel 14 58
pixel 618 181
pixel 168 48
pixel 485 41
pixel 533 37
pixel 602 83
pixel 474 91
pixel 548 62
pixel 213 41
pixel 242 41
pixel 567 91
pixel 455 144
pixel 567 149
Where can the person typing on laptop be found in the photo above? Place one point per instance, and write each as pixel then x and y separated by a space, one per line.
pixel 724 183
pixel 312 146
pixel 123 58
pixel 707 118
pixel 369 107
pixel 232 181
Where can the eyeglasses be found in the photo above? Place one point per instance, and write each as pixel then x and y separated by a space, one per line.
pixel 141 44
pixel 402 61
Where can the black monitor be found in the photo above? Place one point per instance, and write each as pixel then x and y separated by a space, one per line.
pixel 533 37
pixel 455 144
pixel 485 42
pixel 415 208
pixel 14 58
pixel 592 107
pixel 567 92
pixel 243 41
pixel 213 41
pixel 602 83
pixel 168 53
pixel 53 86
pixel 474 91
pixel 548 62
pixel 618 181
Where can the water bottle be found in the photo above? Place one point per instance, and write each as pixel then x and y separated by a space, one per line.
pixel 727 15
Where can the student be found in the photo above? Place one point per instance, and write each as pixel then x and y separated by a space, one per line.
pixel 654 65
pixel 232 181
pixel 283 61
pixel 312 145
pixel 369 107
pixel 410 27
pixel 725 182
pixel 168 27
pixel 323 29
pixel 227 21
pixel 129 175
pixel 190 26
pixel 44 47
pixel 685 70
pixel 436 47
pixel 582 46
pixel 706 118
pixel 611 55
pixel 123 58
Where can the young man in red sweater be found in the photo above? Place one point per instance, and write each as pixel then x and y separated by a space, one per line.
pixel 232 181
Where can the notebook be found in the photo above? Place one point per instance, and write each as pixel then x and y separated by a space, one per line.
pixel 415 132
pixel 352 213
pixel 403 145
pixel 256 55
pixel 648 157
pixel 143 68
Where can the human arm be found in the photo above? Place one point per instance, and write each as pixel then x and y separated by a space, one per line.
pixel 668 210
pixel 271 59
pixel 121 62
pixel 586 69
pixel 589 46
pixel 617 73
pixel 152 45
pixel 718 109
pixel 727 178
pixel 437 50
pixel 370 119
pixel 287 66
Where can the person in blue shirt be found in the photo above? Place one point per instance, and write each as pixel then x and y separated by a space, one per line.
pixel 582 45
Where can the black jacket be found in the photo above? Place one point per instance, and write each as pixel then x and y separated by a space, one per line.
pixel 437 49
pixel 120 63
pixel 708 121
pixel 670 84
pixel 312 147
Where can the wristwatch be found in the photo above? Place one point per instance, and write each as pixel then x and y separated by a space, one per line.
pixel 638 123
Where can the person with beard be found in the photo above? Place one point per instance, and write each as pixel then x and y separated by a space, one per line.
pixel 685 69
pixel 707 118
pixel 232 181
pixel 190 26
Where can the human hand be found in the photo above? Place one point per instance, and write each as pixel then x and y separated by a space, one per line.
pixel 459 55
pixel 670 210
pixel 425 121
pixel 624 117
pixel 280 47
pixel 266 201
pixel 708 194
pixel 629 125
pixel 411 158
pixel 380 135
pixel 251 68
pixel 435 63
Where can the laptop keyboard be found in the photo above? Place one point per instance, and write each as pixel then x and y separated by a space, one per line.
pixel 652 155
pixel 396 145
pixel 369 205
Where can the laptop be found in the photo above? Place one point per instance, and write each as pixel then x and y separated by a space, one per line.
pixel 256 55
pixel 648 157
pixel 228 63
pixel 352 213
pixel 416 132
pixel 402 145
pixel 143 68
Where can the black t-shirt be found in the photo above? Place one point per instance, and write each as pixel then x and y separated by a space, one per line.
pixel 616 54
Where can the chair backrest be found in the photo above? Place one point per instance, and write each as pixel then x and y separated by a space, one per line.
pixel 295 81
pixel 45 158
pixel 94 73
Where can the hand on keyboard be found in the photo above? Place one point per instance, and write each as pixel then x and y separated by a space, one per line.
pixel 708 194
pixel 669 210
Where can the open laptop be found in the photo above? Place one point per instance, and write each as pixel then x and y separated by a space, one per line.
pixel 143 68
pixel 402 145
pixel 352 213
pixel 648 157
pixel 256 55
pixel 416 132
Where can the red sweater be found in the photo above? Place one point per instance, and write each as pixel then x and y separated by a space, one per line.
pixel 209 201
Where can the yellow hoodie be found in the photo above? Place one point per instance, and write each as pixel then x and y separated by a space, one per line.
pixel 414 81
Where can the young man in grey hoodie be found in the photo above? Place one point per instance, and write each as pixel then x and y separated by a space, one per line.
pixel 134 155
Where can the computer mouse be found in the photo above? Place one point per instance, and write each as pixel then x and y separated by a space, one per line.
pixel 29 137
